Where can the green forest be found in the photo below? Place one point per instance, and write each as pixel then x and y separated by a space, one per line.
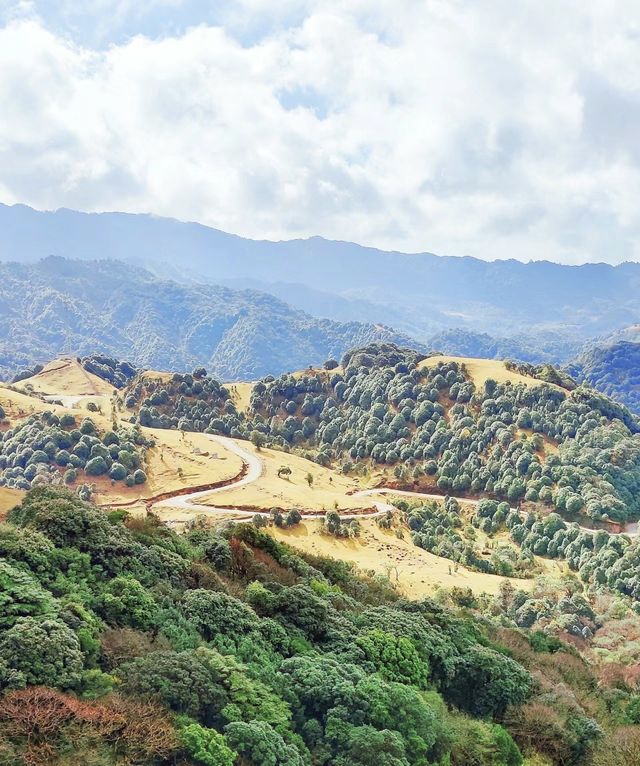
pixel 122 642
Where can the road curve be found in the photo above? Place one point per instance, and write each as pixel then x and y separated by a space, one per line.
pixel 190 502
pixel 255 469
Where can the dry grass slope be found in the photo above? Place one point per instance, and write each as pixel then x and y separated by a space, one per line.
pixel 417 572
pixel 327 490
pixel 480 370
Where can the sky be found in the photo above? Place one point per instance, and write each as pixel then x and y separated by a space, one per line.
pixel 493 129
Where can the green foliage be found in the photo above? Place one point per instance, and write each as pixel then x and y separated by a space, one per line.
pixel 126 602
pixel 21 595
pixel 486 683
pixel 395 658
pixel 206 746
pixel 258 744
pixel 40 652
pixel 305 663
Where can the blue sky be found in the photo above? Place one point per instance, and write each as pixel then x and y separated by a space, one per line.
pixel 495 129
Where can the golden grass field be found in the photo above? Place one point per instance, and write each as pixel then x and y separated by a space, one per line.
pixel 66 377
pixel 9 498
pixel 241 395
pixel 480 370
pixel 416 571
pixel 178 461
pixel 329 488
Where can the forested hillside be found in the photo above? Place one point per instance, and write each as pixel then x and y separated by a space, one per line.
pixel 78 307
pixel 612 368
pixel 385 405
pixel 416 294
pixel 121 642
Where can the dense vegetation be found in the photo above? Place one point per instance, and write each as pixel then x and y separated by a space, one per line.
pixel 573 452
pixel 614 369
pixel 79 307
pixel 46 448
pixel 123 643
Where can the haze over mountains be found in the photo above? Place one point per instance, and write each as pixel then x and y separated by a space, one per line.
pixel 417 294
pixel 172 295
pixel 58 306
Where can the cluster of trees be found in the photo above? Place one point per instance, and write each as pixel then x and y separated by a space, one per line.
pixel 188 401
pixel 433 422
pixel 440 529
pixel 332 524
pixel 574 452
pixel 118 373
pixel 546 372
pixel 48 448
pixel 222 647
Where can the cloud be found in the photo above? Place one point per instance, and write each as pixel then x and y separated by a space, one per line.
pixel 495 129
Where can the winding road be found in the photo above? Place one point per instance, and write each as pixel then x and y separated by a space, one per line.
pixel 255 469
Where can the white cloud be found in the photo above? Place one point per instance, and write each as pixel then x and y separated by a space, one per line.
pixel 490 129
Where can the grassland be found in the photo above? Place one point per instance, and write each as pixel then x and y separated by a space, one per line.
pixel 417 572
pixel 9 498
pixel 480 370
pixel 177 462
pixel 328 490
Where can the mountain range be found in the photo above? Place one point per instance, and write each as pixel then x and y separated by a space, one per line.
pixel 418 294
pixel 59 306
pixel 173 295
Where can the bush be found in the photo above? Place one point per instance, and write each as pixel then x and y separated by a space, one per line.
pixel 96 466
pixel 206 746
pixel 40 652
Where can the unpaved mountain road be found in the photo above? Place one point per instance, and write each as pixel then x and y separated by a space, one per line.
pixel 255 469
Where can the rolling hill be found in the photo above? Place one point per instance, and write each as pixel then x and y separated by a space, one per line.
pixel 59 306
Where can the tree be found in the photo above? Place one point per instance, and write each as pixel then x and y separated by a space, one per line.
pixel 309 479
pixel 487 682
pixel 257 439
pixel 206 746
pixel 184 681
pixel 21 595
pixel 118 472
pixel 96 466
pixel 292 518
pixel 41 652
pixel 126 602
pixel 395 658
pixel 258 744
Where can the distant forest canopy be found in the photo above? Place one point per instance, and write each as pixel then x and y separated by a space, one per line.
pixel 418 295
pixel 79 307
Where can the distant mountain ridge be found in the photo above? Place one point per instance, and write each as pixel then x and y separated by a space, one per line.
pixel 78 307
pixel 418 294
